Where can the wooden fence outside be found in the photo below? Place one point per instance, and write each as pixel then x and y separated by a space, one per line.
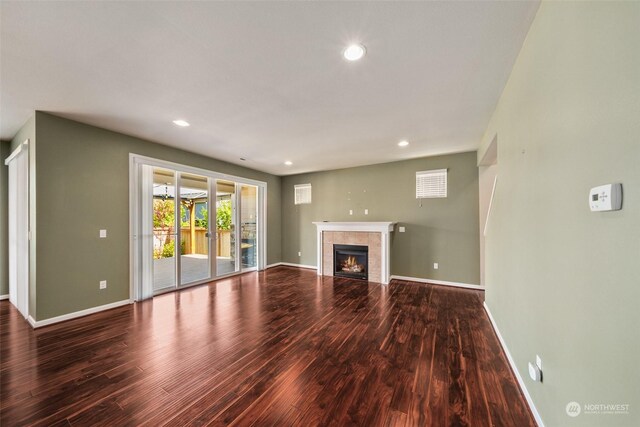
pixel 224 243
pixel 202 242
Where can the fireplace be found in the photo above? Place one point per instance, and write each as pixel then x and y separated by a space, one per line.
pixel 375 235
pixel 351 261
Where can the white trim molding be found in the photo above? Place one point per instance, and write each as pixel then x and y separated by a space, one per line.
pixel 384 228
pixel 503 344
pixel 3 297
pixel 493 193
pixel 17 151
pixel 290 264
pixel 438 282
pixel 40 323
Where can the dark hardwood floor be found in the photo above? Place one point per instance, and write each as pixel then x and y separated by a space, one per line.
pixel 284 347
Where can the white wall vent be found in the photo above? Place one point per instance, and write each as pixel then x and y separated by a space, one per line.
pixel 431 184
pixel 302 194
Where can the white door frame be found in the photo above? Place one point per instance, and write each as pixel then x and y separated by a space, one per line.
pixel 135 254
pixel 239 222
pixel 18 223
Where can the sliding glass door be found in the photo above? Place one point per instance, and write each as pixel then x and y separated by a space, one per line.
pixel 164 229
pixel 226 204
pixel 236 247
pixel 190 227
pixel 195 263
pixel 249 225
pixel 181 235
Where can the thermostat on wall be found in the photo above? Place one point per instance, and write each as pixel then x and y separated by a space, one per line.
pixel 606 197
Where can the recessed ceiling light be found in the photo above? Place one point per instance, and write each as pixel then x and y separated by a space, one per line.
pixel 288 163
pixel 181 123
pixel 354 52
pixel 403 143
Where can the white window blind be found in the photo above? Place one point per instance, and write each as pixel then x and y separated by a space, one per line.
pixel 431 184
pixel 302 194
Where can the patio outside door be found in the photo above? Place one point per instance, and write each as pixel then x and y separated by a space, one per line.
pixel 236 227
pixel 249 226
pixel 163 229
pixel 226 213
pixel 195 232
pixel 189 228
pixel 180 228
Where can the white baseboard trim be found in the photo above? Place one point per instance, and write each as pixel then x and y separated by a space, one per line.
pixel 527 396
pixel 290 264
pixel 272 265
pixel 437 282
pixel 3 297
pixel 40 323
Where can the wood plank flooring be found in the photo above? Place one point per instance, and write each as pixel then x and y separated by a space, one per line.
pixel 277 348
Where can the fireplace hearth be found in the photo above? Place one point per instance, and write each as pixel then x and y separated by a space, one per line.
pixel 351 261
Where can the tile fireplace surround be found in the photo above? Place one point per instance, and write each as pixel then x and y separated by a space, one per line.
pixel 375 235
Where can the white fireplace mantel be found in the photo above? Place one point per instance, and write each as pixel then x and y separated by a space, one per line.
pixel 384 228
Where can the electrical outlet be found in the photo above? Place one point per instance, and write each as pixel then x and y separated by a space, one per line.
pixel 401 229
pixel 350 211
pixel 103 284
pixel 435 265
pixel 366 211
pixel 103 234
pixel 299 253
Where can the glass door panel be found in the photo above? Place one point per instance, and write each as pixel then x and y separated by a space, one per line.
pixel 195 264
pixel 190 228
pixel 164 229
pixel 248 225
pixel 225 228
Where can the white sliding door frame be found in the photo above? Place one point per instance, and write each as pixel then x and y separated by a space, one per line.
pixel 237 234
pixel 145 239
pixel 18 222
pixel 138 269
pixel 258 226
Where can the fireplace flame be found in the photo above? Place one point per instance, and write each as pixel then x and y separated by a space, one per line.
pixel 350 264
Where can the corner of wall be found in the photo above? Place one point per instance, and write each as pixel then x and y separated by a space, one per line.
pixel 4 243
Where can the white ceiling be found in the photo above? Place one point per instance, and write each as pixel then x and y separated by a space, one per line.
pixel 266 80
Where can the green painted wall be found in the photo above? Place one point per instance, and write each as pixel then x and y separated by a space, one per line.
pixel 563 282
pixel 442 230
pixel 5 150
pixel 83 186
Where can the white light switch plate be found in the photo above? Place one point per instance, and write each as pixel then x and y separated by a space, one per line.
pixel 350 211
pixel 366 211
pixel 534 372
pixel 401 229
pixel 103 234
pixel 538 362
pixel 435 265
pixel 103 284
